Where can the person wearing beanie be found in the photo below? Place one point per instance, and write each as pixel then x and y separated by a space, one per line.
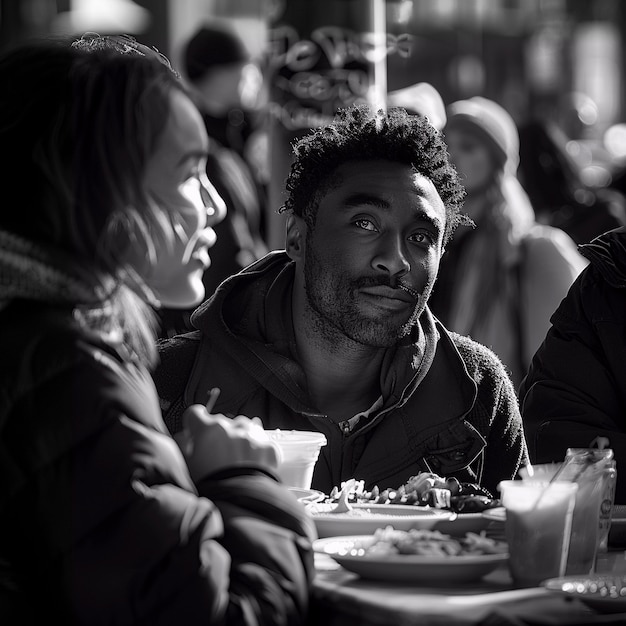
pixel 492 125
pixel 500 281
pixel 213 46
pixel 225 84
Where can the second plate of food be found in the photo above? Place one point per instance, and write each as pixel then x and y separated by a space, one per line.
pixel 351 553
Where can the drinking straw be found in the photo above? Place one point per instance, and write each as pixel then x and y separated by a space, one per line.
pixel 213 395
pixel 588 460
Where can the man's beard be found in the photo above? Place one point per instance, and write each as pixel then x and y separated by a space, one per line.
pixel 333 298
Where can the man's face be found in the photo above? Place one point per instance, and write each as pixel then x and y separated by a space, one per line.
pixel 373 256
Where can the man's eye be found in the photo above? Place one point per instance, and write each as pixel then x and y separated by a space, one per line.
pixel 365 225
pixel 421 238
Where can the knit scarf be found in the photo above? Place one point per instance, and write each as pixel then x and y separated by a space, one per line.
pixel 30 271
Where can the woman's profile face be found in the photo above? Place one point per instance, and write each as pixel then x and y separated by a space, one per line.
pixel 472 158
pixel 175 178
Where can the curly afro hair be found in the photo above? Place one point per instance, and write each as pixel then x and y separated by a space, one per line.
pixel 357 133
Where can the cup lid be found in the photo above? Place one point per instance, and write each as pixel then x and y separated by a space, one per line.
pixel 297 436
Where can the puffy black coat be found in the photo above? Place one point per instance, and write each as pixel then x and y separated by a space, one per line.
pixel 100 522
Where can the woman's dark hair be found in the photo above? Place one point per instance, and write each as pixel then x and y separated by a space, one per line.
pixel 359 134
pixel 78 127
pixel 78 124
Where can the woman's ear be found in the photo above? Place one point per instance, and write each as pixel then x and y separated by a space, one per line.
pixel 294 239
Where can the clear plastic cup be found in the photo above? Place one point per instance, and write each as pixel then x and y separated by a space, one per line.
pixel 300 450
pixel 537 528
pixel 583 546
pixel 600 470
pixel 589 528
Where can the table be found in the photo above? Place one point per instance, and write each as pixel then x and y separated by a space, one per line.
pixel 342 598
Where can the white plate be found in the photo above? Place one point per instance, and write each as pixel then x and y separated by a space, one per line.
pixel 425 570
pixel 307 495
pixel 497 514
pixel 599 591
pixel 463 523
pixel 366 518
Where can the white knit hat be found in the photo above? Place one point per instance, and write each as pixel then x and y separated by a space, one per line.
pixel 495 123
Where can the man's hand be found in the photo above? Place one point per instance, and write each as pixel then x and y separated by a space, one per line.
pixel 212 443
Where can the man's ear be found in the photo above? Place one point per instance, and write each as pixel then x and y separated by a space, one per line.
pixel 294 239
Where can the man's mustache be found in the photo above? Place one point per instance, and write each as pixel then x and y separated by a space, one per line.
pixel 409 290
pixel 370 281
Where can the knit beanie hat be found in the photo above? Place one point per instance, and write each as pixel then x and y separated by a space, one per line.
pixel 493 123
pixel 210 46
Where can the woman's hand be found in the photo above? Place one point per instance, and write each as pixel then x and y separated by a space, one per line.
pixel 212 443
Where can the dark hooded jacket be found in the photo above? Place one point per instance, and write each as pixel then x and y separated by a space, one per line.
pixel 448 405
pixel 575 389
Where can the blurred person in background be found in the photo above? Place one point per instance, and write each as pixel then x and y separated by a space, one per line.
pixel 500 281
pixel 225 84
pixel 334 333
pixel 554 182
pixel 103 518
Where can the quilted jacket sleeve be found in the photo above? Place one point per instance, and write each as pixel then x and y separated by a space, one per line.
pixel 102 523
pixel 265 533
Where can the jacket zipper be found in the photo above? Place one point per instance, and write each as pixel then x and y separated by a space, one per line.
pixel 345 427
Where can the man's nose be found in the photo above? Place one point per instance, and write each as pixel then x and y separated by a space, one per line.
pixel 391 256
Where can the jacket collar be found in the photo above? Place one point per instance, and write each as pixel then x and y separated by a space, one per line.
pixel 607 253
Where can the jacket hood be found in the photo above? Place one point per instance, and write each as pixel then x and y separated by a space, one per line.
pixel 252 311
pixel 607 253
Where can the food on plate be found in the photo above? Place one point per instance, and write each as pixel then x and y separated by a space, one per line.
pixel 389 541
pixel 473 503
pixel 423 489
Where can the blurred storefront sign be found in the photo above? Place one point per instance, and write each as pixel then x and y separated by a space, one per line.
pixel 333 67
pixel 321 56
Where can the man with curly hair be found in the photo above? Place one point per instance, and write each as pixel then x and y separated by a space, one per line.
pixel 334 334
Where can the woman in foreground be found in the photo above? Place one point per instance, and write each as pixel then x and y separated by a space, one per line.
pixel 107 213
